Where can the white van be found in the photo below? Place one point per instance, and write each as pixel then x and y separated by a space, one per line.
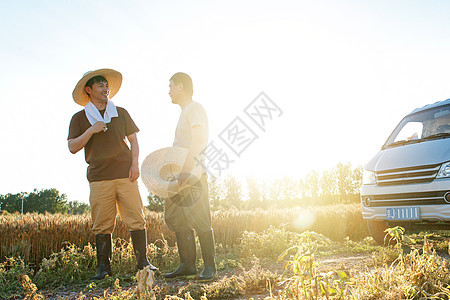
pixel 407 182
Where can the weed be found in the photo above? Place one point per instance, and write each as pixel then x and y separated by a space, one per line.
pixel 145 279
pixel 69 266
pixel 395 235
pixel 301 278
pixel 30 288
pixel 257 279
pixel 11 274
pixel 267 244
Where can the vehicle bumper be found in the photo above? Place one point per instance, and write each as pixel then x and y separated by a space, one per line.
pixel 439 212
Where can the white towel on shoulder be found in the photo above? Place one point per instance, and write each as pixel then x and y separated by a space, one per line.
pixel 93 115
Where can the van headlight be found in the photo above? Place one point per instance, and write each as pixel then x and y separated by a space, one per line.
pixel 444 171
pixel 369 177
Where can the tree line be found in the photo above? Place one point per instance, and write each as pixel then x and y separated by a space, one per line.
pixel 45 200
pixel 339 184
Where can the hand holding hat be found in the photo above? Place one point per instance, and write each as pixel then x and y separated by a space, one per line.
pixel 161 168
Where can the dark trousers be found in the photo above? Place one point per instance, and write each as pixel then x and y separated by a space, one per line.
pixel 190 208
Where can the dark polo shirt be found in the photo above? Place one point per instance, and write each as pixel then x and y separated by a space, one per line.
pixel 107 153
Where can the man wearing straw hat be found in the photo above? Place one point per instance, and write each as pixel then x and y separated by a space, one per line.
pixel 187 211
pixel 100 128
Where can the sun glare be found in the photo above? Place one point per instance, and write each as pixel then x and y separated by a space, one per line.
pixel 304 220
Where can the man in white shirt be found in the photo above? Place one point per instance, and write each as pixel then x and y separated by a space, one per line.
pixel 189 210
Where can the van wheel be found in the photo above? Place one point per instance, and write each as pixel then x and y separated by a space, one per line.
pixel 376 230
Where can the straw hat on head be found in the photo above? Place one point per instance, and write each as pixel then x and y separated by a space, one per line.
pixel 161 168
pixel 113 77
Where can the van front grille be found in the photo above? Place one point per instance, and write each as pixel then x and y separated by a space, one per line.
pixel 407 175
pixel 422 198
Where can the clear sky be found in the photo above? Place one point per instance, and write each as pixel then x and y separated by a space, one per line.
pixel 343 72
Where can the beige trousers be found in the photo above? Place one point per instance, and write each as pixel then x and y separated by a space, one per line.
pixel 109 196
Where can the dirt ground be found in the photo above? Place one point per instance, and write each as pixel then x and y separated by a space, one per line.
pixel 345 261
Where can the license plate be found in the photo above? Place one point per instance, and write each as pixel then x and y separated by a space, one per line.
pixel 403 213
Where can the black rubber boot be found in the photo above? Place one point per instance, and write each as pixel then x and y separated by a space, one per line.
pixel 103 245
pixel 208 251
pixel 188 256
pixel 139 239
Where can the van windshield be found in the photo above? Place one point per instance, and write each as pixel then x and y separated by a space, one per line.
pixel 422 126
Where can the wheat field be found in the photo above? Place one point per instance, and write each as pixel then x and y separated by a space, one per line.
pixel 36 236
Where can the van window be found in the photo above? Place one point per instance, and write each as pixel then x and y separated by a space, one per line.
pixel 421 125
pixel 442 121
pixel 411 131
